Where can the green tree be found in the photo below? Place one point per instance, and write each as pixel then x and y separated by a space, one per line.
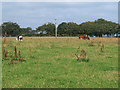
pixel 70 29
pixel 62 28
pixel 26 31
pixel 10 28
pixel 87 28
pixel 107 27
pixel 98 27
pixel 49 28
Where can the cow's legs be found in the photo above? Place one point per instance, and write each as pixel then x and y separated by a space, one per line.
pixel 20 39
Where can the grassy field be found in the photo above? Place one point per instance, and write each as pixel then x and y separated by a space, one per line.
pixel 53 63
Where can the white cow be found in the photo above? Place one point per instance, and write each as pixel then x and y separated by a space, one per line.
pixel 19 38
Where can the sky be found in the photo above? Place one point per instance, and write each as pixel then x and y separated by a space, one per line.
pixel 34 14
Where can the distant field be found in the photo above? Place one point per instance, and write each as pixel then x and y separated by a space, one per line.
pixel 53 63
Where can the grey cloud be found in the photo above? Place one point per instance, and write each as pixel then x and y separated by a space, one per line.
pixel 34 14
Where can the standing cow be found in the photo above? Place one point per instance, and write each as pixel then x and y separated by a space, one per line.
pixel 19 38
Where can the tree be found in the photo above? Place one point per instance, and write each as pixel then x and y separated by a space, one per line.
pixel 27 30
pixel 40 28
pixel 62 29
pixel 10 28
pixel 70 29
pixel 107 27
pixel 48 28
pixel 98 27
pixel 87 28
pixel 100 21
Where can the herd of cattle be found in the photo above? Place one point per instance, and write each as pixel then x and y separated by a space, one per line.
pixel 20 38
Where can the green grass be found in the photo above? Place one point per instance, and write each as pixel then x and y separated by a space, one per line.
pixel 53 64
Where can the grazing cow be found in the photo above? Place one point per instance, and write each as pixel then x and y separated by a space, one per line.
pixel 87 38
pixel 19 38
pixel 84 37
pixel 81 37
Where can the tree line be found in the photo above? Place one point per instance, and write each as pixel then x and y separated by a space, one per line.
pixel 95 28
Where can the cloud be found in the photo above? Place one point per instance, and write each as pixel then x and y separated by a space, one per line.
pixel 60 0
pixel 34 14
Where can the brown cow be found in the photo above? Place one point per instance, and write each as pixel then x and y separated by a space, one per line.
pixel 87 38
pixel 84 37
pixel 81 37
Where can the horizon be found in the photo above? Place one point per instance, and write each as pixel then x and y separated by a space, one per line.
pixel 60 23
pixel 35 14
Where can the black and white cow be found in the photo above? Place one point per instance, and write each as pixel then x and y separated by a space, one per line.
pixel 19 38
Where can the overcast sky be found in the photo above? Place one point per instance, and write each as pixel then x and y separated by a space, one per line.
pixel 34 14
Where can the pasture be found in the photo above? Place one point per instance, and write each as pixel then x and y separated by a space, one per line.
pixel 53 64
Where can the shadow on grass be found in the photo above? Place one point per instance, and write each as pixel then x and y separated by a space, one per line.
pixel 91 45
pixel 109 57
pixel 84 60
pixel 32 57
